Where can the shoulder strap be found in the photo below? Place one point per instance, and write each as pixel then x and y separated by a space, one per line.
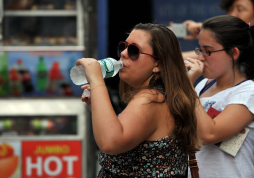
pixel 193 164
pixel 212 82
pixel 207 86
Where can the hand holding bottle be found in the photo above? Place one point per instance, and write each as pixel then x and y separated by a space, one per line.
pixel 195 68
pixel 86 95
pixel 89 70
pixel 88 66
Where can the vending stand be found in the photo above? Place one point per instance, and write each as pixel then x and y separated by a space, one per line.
pixel 43 123
pixel 42 138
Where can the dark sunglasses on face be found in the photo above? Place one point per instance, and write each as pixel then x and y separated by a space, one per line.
pixel 133 50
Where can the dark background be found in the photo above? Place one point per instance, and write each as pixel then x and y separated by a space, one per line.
pixel 122 17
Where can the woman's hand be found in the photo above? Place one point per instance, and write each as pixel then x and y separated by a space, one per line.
pixel 195 69
pixel 193 29
pixel 92 70
pixel 86 99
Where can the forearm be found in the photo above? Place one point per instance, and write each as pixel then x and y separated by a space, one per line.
pixel 189 54
pixel 106 125
pixel 205 124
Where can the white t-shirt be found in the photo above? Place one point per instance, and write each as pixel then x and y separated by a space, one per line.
pixel 212 161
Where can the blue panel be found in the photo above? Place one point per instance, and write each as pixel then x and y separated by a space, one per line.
pixel 102 20
pixel 178 11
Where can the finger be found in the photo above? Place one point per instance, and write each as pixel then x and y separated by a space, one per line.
pixel 200 63
pixel 186 22
pixel 83 98
pixel 191 59
pixel 189 37
pixel 79 61
pixel 87 86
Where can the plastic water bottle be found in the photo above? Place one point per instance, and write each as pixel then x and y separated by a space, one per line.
pixel 187 68
pixel 109 68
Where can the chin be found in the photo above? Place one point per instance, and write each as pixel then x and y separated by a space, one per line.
pixel 122 76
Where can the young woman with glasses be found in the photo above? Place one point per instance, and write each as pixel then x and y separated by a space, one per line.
pixel 226 60
pixel 153 135
pixel 243 9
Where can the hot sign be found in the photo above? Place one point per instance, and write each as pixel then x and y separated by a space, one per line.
pixel 55 159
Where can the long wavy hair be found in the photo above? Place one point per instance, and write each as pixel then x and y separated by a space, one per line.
pixel 178 91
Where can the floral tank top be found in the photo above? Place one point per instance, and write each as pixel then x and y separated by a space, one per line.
pixel 160 158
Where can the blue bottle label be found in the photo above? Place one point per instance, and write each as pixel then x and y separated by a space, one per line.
pixel 109 66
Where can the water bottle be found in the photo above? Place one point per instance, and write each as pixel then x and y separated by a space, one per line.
pixel 187 68
pixel 109 68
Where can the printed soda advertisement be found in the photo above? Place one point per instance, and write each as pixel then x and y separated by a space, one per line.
pixel 38 73
pixel 4 85
pixel 51 159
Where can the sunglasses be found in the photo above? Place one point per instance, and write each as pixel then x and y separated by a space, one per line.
pixel 133 50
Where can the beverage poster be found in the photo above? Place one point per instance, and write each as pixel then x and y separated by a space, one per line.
pixel 42 73
pixel 54 159
pixel 10 159
pixel 4 89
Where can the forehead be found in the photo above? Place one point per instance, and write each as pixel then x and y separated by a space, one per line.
pixel 244 3
pixel 207 39
pixel 138 36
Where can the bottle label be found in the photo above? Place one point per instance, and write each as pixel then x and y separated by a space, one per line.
pixel 109 66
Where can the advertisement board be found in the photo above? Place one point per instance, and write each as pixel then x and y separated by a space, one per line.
pixel 54 159
pixel 38 73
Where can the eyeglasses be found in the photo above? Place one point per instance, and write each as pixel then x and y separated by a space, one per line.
pixel 133 50
pixel 205 52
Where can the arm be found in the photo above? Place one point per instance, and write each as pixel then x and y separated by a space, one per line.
pixel 135 124
pixel 114 134
pixel 193 29
pixel 225 125
pixel 189 54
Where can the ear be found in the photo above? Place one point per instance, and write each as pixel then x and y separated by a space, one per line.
pixel 156 68
pixel 235 53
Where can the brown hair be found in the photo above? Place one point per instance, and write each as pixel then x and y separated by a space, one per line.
pixel 179 93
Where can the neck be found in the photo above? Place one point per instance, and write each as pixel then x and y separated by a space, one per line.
pixel 229 80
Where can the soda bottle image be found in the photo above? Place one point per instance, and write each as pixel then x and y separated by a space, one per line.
pixel 25 77
pixel 54 76
pixel 4 81
pixel 15 82
pixel 41 74
pixel 65 88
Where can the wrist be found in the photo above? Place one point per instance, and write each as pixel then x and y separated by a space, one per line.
pixel 97 86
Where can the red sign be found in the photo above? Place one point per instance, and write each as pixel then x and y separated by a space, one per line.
pixel 51 159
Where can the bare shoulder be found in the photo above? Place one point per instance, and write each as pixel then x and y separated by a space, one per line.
pixel 149 95
pixel 147 103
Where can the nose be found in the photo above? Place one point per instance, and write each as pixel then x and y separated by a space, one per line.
pixel 233 13
pixel 124 53
pixel 201 57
